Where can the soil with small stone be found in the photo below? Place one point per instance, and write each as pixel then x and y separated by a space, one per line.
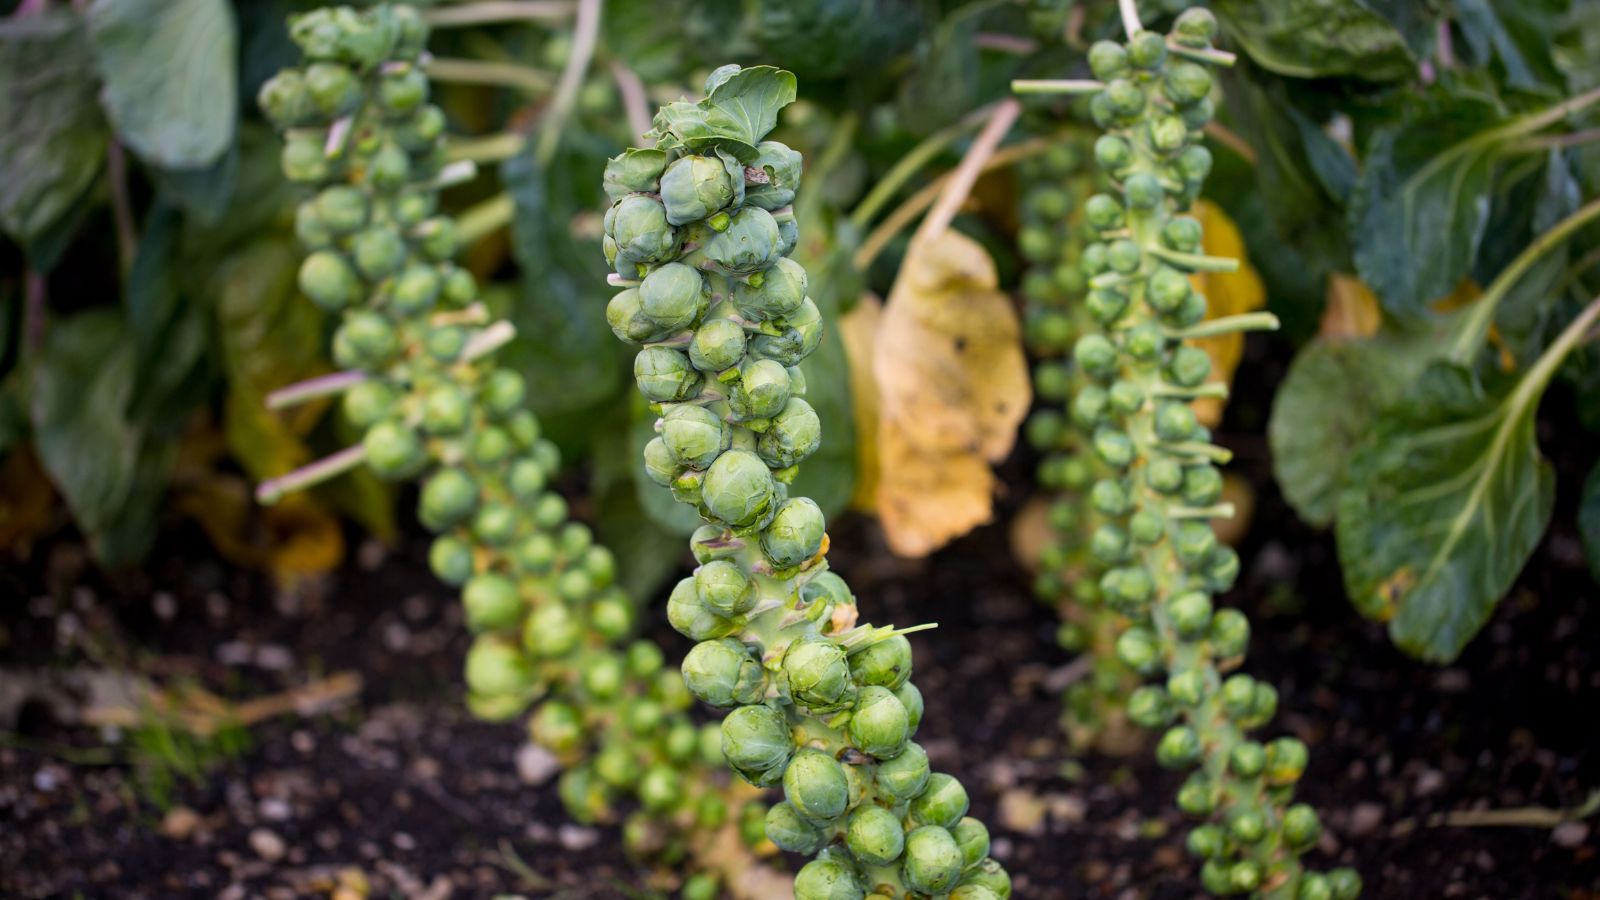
pixel 402 794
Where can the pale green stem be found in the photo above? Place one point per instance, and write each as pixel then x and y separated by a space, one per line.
pixel 585 32
pixel 271 491
pixel 493 74
pixel 486 217
pixel 1056 86
pixel 488 149
pixel 908 165
pixel 492 12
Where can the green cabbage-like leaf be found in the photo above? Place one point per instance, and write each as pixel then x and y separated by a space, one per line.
pixel 1319 38
pixel 737 114
pixel 1442 506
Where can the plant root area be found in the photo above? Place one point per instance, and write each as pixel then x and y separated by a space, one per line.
pixel 1459 781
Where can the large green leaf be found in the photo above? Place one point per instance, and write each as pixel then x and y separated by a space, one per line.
pixel 734 117
pixel 1318 38
pixel 109 468
pixel 835 38
pixel 170 69
pixel 1421 202
pixel 53 140
pixel 1443 504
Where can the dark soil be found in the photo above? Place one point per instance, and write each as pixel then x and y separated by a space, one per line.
pixel 403 792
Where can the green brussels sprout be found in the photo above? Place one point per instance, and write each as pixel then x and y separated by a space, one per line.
pixel 750 243
pixel 664 375
pixel 659 462
pixel 366 340
pixel 557 727
pixel 602 675
pixel 1202 485
pixel 673 296
pixel 491 602
pixel 988 874
pixel 390 167
pixel 1179 748
pixel 625 314
pixel 638 225
pixel 738 489
pixel 757 743
pixel 617 766
pixel 692 618
pixel 458 287
pixel 827 879
pixel 586 798
pixel 536 552
pixel 661 788
pixel 724 588
pixel 874 835
pixel 1229 633
pixel 419 133
pixel 972 892
pixel 718 344
pixel 328 280
pixel 933 860
pixel 815 785
pixel 551 631
pixel 549 511
pixel 791 832
pixel 378 251
pixel 393 450
pixel 285 99
pixel 1195 27
pixel 303 160
pixel 723 673
pixel 973 838
pixel 1124 98
pixel 450 559
pixel 694 187
pixel 775 187
pixel 879 724
pixel 802 332
pixel 886 663
pixel 416 289
pixel 795 533
pixel 943 802
pixel 773 293
pixel 1189 367
pixel 495 667
pixel 762 390
pixel 401 93
pixel 1345 883
pixel 449 496
pixel 503 392
pixel 817 673
pixel 1108 60
pixel 694 435
pixel 687 486
pixel 612 616
pixel 368 402
pixel 904 776
pixel 794 434
pixel 634 171
pixel 333 88
pixel 1144 342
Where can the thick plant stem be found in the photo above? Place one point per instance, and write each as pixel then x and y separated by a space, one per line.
pixel 1157 484
pixel 819 704
pixel 553 629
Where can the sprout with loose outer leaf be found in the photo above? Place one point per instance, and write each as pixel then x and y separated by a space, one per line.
pixel 694 187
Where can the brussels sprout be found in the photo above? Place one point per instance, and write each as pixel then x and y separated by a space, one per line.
pixel 673 296
pixel 874 835
pixel 328 280
pixel 492 602
pixel 779 168
pixel 904 776
pixel 973 892
pixel 817 673
pixel 886 662
pixel 879 724
pixel 815 785
pixel 943 802
pixel 393 450
pixel 694 187
pixel 773 293
pixel 659 462
pixel 664 375
pixel 1179 748
pixel 448 497
pixel 802 332
pixel 724 588
pixel 762 390
pixel 333 89
pixel 791 832
pixel 552 631
pixel 450 558
pixel 973 838
pixel 757 743
pixel 933 860
pixel 795 532
pixel 827 879
pixel 723 673
pixel 634 171
pixel 416 289
pixel 794 434
pixel 718 344
pixel 625 314
pixel 738 489
pixel 557 726
pixel 694 435
pixel 911 698
pixel 638 225
pixel 1108 60
pixel 494 667
pixel 750 243
pixel 692 618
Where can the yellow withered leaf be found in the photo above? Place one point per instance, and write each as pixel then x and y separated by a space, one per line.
pixel 1227 294
pixel 953 386
pixel 1351 311
pixel 858 329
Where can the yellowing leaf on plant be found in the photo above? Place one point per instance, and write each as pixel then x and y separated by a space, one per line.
pixel 1351 311
pixel 953 386
pixel 1227 294
pixel 1031 531
pixel 858 330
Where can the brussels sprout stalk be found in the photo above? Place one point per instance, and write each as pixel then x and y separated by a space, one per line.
pixel 699 236
pixel 1156 483
pixel 552 626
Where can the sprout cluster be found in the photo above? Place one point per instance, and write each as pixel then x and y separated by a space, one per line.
pixel 1158 486
pixel 552 625
pixel 699 234
pixel 1051 240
